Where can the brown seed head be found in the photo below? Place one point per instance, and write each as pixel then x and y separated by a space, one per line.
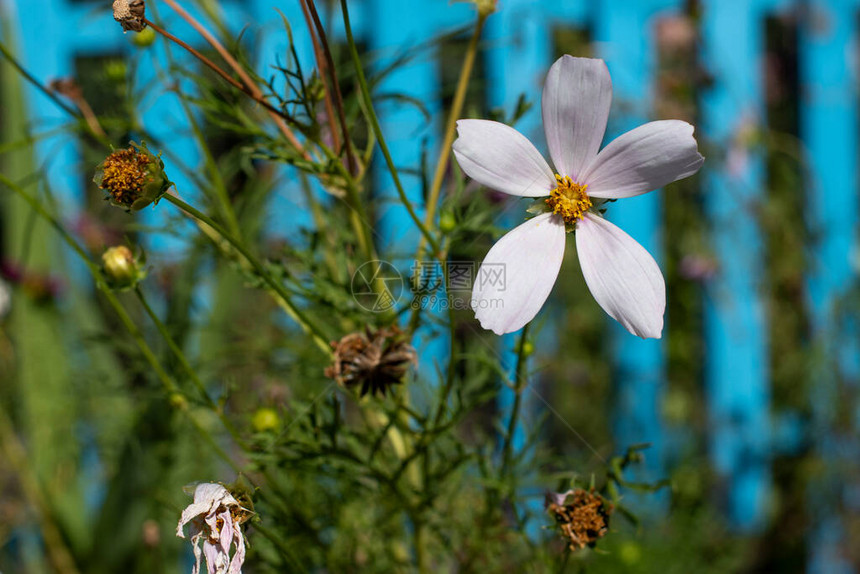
pixel 582 516
pixel 130 14
pixel 373 361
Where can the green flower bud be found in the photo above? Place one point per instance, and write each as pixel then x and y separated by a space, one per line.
pixel 177 401
pixel 121 268
pixel 133 178
pixel 447 222
pixel 528 348
pixel 265 419
pixel 143 39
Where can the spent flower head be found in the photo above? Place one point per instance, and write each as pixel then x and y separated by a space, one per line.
pixel 216 517
pixel 623 278
pixel 372 361
pixel 133 177
pixel 130 14
pixel 581 515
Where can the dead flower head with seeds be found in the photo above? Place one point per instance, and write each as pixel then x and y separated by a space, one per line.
pixel 131 14
pixel 132 177
pixel 372 361
pixel 581 515
pixel 215 517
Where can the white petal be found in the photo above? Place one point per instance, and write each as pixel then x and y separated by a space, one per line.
pixel 575 105
pixel 239 556
pixel 502 158
pixel 518 273
pixel 644 159
pixel 623 278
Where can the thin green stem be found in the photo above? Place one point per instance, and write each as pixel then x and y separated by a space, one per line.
pixel 177 352
pixel 186 366
pixel 377 129
pixel 285 299
pixel 451 128
pixel 226 207
pixel 519 386
pixel 170 385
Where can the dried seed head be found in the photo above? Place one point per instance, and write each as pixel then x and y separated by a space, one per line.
pixel 130 14
pixel 582 516
pixel 373 361
pixel 133 177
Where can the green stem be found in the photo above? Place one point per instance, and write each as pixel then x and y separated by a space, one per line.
pixel 519 386
pixel 377 129
pixel 286 302
pixel 186 366
pixel 451 128
pixel 177 352
pixel 169 385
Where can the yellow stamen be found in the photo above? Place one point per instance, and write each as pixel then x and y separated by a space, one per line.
pixel 125 173
pixel 569 199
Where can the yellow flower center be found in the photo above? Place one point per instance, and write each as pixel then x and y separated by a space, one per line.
pixel 568 199
pixel 125 173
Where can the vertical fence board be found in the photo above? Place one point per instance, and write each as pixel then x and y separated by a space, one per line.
pixel 517 62
pixel 829 131
pixel 736 336
pixel 628 47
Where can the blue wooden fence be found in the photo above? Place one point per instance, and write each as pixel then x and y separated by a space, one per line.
pixel 50 33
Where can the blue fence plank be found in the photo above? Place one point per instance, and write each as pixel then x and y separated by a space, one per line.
pixel 399 26
pixel 829 131
pixel 625 34
pixel 736 335
pixel 517 62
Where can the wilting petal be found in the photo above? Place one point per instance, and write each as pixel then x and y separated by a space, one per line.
pixel 216 559
pixel 502 158
pixel 623 278
pixel 195 541
pixel 643 159
pixel 226 534
pixel 518 273
pixel 575 105
pixel 239 556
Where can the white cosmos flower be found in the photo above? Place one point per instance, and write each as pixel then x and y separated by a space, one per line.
pixel 623 278
pixel 216 517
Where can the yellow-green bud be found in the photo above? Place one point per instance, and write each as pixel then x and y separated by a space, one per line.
pixel 447 222
pixel 528 348
pixel 143 39
pixel 265 419
pixel 121 268
pixel 177 401
pixel 133 177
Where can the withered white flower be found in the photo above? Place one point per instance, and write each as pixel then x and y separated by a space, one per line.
pixel 215 517
pixel 623 278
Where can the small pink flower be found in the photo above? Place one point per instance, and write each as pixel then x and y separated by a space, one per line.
pixel 623 278
pixel 216 517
